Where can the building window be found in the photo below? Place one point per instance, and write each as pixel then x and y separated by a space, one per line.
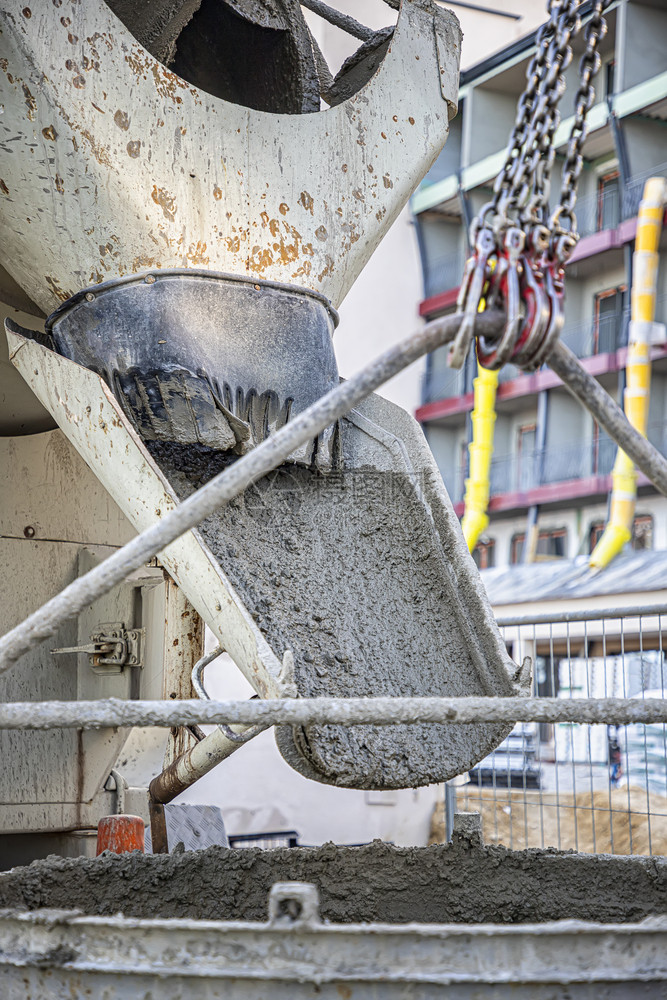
pixel 462 470
pixel 609 70
pixel 551 544
pixel 609 200
pixel 608 320
pixel 642 532
pixel 595 534
pixel 525 456
pixel 604 452
pixel 484 554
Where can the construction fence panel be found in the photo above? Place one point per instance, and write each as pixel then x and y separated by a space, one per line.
pixel 587 787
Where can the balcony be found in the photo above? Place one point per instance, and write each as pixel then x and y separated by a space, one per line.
pixel 603 211
pixel 605 337
pixel 518 474
pixel 610 206
pixel 582 469
pixel 606 334
pixel 443 273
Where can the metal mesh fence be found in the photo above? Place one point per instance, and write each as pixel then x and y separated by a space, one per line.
pixel 590 788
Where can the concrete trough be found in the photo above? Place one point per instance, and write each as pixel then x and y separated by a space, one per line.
pixel 57 954
pixel 463 920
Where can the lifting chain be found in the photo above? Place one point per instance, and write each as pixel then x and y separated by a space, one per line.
pixel 519 250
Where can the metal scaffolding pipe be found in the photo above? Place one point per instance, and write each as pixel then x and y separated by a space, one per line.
pixel 385 711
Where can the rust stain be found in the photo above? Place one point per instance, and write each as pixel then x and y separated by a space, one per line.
pixel 387 181
pixel 197 254
pixel 283 208
pixel 328 268
pixel 321 233
pixel 100 154
pixel 383 135
pixel 287 250
pixel 65 21
pixel 60 184
pixel 411 120
pixel 72 39
pixel 134 148
pixel 166 201
pixel 134 62
pixel 122 120
pixel 144 261
pixel 27 13
pixel 307 201
pixel 344 168
pixel 359 195
pixel 3 187
pixel 217 192
pixel 31 103
pixel 56 289
pixel 50 133
pixel 165 82
pixel 79 82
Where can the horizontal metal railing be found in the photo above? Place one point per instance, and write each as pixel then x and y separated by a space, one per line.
pixel 383 711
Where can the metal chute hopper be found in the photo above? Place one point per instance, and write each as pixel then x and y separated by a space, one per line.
pixel 195 315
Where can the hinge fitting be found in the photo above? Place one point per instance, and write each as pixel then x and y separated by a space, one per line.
pixel 112 647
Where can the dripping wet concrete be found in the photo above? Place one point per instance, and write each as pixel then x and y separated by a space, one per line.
pixel 346 571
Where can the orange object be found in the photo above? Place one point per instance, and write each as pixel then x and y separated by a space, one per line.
pixel 120 834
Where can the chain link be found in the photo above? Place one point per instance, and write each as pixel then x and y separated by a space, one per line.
pixel 511 175
pixel 583 101
pixel 518 214
pixel 545 117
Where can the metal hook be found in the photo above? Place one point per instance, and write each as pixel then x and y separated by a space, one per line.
pixel 198 685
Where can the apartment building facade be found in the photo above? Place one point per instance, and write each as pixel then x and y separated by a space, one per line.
pixel 551 463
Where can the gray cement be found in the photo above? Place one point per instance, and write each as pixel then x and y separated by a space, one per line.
pixel 348 571
pixel 462 882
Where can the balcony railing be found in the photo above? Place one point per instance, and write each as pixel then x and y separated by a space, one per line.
pixel 635 189
pixel 602 336
pixel 520 473
pixel 443 273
